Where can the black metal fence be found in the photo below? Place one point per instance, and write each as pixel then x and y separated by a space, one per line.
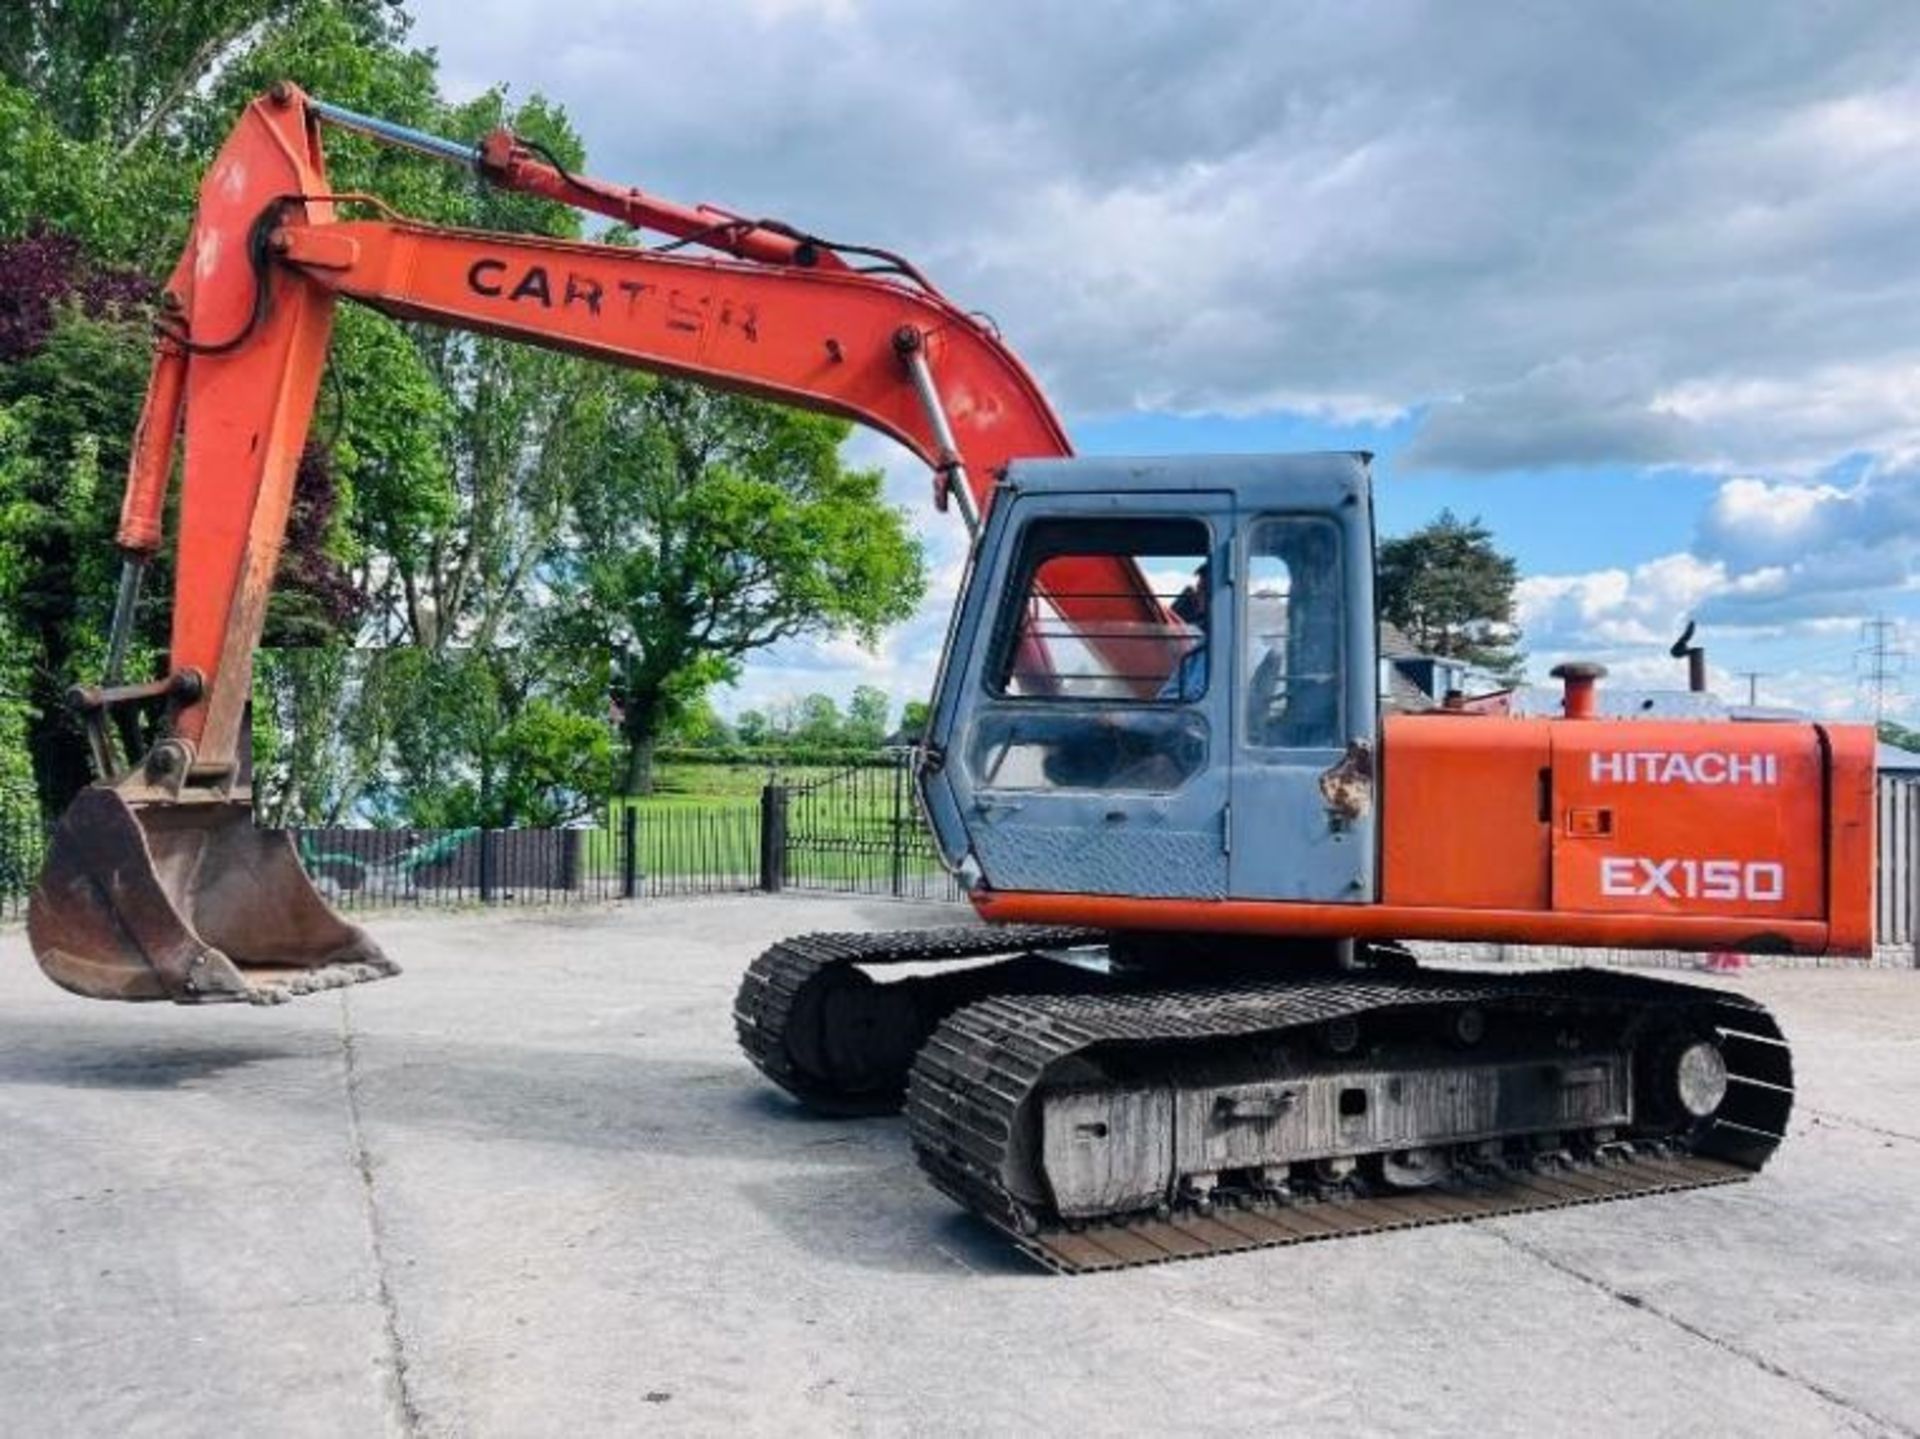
pixel 369 868
pixel 854 831
pixel 640 850
pixel 680 846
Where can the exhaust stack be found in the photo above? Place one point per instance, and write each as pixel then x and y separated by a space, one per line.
pixel 1696 657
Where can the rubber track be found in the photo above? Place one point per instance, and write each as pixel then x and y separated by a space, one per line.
pixel 773 983
pixel 971 1078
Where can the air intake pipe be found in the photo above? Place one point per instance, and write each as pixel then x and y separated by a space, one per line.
pixel 1581 699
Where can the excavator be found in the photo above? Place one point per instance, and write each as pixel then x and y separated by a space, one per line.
pixel 1190 1020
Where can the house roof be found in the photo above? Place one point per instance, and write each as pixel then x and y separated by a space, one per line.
pixel 1394 644
pixel 1403 694
pixel 1891 758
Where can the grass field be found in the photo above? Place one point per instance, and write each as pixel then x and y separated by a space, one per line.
pixel 673 781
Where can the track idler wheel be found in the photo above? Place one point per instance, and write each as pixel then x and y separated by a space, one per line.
pixel 852 1040
pixel 186 901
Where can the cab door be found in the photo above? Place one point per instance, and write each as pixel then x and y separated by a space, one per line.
pixel 1081 725
pixel 1302 823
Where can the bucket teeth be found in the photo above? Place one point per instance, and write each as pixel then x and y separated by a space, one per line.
pixel 268 988
pixel 187 901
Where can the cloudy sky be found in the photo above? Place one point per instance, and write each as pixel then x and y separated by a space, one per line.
pixel 1637 283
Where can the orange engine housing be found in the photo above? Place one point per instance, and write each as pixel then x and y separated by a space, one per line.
pixel 1759 829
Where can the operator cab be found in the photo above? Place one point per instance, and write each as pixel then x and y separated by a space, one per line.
pixel 1160 682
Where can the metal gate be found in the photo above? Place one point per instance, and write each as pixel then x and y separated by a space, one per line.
pixel 858 831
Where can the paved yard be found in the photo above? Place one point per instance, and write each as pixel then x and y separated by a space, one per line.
pixel 530 1188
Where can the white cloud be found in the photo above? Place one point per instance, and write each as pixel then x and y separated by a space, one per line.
pixel 1605 232
pixel 1615 609
pixel 1760 520
pixel 1805 550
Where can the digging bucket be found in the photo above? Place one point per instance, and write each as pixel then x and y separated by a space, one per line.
pixel 187 901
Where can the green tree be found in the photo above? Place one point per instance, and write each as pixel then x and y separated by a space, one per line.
pixel 555 767
pixel 713 528
pixel 701 727
pixel 497 738
pixel 500 432
pixel 120 71
pixel 1899 736
pixel 817 721
pixel 317 744
pixel 865 725
pixel 109 110
pixel 447 739
pixel 1452 592
pixel 68 413
pixel 18 806
pixel 914 716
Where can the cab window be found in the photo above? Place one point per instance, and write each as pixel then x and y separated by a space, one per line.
pixel 1101 654
pixel 1137 594
pixel 1293 633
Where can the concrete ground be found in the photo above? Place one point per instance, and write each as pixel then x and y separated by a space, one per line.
pixel 531 1188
